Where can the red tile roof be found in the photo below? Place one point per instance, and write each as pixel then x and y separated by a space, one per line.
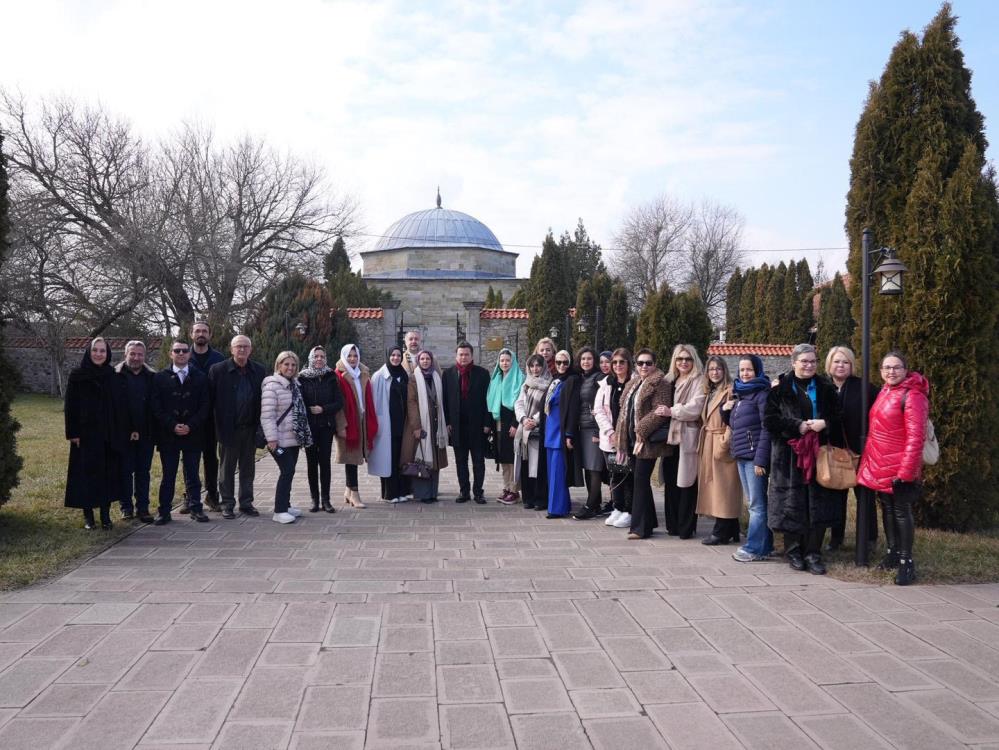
pixel 365 313
pixel 78 343
pixel 504 313
pixel 761 350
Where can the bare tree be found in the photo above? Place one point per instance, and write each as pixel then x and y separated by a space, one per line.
pixel 650 247
pixel 714 248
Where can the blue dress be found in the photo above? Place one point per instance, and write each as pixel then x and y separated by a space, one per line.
pixel 558 489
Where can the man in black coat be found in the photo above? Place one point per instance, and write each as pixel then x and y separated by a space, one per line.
pixel 180 408
pixel 204 357
pixel 468 419
pixel 235 392
pixel 137 457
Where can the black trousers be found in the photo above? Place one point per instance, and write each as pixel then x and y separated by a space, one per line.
pixel 726 528
pixel 286 461
pixel 900 526
pixel 594 496
pixel 350 472
pixel 317 464
pixel 680 502
pixel 396 485
pixel 643 504
pixel 535 489
pixel 170 458
pixel 210 460
pixel 838 530
pixel 806 544
pixel 621 491
pixel 239 452
pixel 465 443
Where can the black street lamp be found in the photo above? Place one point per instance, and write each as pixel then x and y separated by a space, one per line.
pixel 890 269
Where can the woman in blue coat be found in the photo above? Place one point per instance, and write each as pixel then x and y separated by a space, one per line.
pixel 559 503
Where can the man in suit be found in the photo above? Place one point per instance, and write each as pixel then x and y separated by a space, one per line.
pixel 204 357
pixel 138 456
pixel 468 419
pixel 180 408
pixel 235 392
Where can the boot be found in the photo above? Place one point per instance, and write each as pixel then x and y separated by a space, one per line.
pixel 890 560
pixel 106 518
pixel 906 572
pixel 212 503
pixel 346 496
pixel 326 505
pixel 88 519
pixel 354 500
pixel 315 505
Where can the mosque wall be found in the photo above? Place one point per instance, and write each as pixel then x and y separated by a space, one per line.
pixel 468 259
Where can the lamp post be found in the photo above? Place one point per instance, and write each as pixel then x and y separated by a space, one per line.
pixel 890 269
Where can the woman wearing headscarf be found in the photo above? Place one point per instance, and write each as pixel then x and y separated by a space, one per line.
pixel 802 411
pixel 285 422
pixel 390 389
pixel 357 422
pixel 744 413
pixel 606 412
pixel 96 419
pixel 323 400
pixel 530 461
pixel 605 362
pixel 504 387
pixel 560 437
pixel 680 464
pixel 587 443
pixel 424 437
pixel 719 493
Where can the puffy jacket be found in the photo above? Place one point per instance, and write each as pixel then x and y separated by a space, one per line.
pixel 895 439
pixel 604 408
pixel 750 439
pixel 275 398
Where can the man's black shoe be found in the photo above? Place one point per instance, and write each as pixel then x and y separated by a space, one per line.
pixel 814 565
pixel 212 503
pixel 145 518
pixel 462 499
pixel 197 515
pixel 249 510
pixel 162 520
pixel 606 509
pixel 228 513
pixel 795 560
pixel 585 514
pixel 480 500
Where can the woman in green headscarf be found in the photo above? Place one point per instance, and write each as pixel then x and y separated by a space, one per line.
pixel 504 387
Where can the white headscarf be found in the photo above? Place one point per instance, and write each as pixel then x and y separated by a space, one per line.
pixel 354 371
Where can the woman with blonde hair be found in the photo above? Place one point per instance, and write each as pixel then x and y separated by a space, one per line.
pixel 719 490
pixel 357 422
pixel 546 348
pixel 285 422
pixel 680 463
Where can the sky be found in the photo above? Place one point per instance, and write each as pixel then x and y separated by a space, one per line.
pixel 529 116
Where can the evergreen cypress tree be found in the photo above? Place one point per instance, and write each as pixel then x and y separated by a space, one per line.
pixel 612 298
pixel 617 325
pixel 733 305
pixel 669 319
pixel 490 302
pixel 836 324
pixel 10 462
pixel 761 326
pixel 348 289
pixel 919 180
pixel 748 317
pixel 804 286
pixel 550 293
pixel 780 285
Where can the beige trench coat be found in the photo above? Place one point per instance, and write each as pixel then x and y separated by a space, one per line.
pixel 719 491
pixel 685 426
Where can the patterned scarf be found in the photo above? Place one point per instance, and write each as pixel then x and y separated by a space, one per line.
pixel 312 371
pixel 299 416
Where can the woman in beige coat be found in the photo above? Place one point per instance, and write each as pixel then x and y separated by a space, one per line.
pixel 719 490
pixel 425 435
pixel 356 422
pixel 680 464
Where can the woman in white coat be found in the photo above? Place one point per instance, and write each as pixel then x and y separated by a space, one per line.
pixel 389 389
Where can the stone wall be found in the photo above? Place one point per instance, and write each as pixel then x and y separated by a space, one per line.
pixel 772 366
pixel 38 370
pixel 512 334
pixel 437 260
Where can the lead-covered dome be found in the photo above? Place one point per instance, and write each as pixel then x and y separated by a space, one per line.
pixel 438 227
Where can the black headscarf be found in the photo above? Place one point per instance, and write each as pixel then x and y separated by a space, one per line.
pixel 396 370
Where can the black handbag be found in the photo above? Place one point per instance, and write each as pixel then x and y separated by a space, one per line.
pixel 418 468
pixel 489 446
pixel 621 469
pixel 659 435
pixel 260 439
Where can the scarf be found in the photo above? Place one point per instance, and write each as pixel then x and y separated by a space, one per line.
pixel 465 378
pixel 299 416
pixel 356 410
pixel 534 389
pixel 426 447
pixel 433 362
pixel 396 371
pixel 312 371
pixel 354 371
pixel 759 383
pixel 504 389
pixel 806 448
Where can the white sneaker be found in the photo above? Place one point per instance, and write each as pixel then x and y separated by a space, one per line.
pixel 396 500
pixel 283 518
pixel 292 511
pixel 404 498
pixel 615 514
pixel 623 522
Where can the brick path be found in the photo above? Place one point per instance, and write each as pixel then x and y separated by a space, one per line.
pixel 464 626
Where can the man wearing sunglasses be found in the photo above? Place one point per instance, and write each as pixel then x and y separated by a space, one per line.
pixel 180 408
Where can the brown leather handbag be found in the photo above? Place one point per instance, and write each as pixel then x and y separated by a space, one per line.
pixel 836 468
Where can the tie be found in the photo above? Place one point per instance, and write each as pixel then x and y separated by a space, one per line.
pixel 182 374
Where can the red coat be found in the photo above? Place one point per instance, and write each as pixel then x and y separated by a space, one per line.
pixel 895 439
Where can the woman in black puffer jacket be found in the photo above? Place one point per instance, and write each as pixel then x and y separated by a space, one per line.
pixel 323 399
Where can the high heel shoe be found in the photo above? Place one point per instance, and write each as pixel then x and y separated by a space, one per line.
pixel 354 499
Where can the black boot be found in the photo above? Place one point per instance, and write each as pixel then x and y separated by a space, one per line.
pixel 88 519
pixel 327 505
pixel 905 528
pixel 906 572
pixel 106 517
pixel 315 505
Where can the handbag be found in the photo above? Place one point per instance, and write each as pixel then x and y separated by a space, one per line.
pixel 614 467
pixel 259 438
pixel 836 468
pixel 659 435
pixel 418 468
pixel 931 448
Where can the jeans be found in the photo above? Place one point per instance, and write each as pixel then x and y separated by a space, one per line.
pixel 759 538
pixel 239 451
pixel 286 461
pixel 170 458
pixel 137 458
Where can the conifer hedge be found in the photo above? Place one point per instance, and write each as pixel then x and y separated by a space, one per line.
pixel 10 462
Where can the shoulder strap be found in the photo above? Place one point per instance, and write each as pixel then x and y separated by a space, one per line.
pixel 281 418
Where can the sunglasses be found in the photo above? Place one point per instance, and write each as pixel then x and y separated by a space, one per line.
pixel 684 359
pixel 562 362
pixel 181 351
pixel 619 362
pixel 645 363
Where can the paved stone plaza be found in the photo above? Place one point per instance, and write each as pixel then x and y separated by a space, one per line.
pixel 465 626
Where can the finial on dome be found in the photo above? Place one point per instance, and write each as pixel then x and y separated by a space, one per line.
pixel 438 196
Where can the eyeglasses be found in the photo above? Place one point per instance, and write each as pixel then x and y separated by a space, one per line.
pixel 644 363
pixel 892 368
pixel 562 362
pixel 808 362
pixel 181 351
pixel 684 359
pixel 619 362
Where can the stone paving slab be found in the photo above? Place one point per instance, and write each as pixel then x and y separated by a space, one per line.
pixel 466 626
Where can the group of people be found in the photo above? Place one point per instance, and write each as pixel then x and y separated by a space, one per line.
pixel 594 420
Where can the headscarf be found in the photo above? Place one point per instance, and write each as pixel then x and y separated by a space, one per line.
pixel 312 371
pixel 504 389
pixel 396 370
pixel 88 370
pixel 758 383
pixel 433 363
pixel 354 371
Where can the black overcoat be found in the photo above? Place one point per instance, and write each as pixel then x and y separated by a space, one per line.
pixel 322 390
pixel 223 379
pixel 794 505
pixel 478 414
pixel 175 403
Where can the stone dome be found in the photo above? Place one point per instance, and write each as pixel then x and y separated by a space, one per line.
pixel 438 227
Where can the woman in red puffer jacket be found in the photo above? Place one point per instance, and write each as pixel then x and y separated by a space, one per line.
pixel 892 463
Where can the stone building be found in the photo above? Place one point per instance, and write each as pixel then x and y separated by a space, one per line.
pixel 439 264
